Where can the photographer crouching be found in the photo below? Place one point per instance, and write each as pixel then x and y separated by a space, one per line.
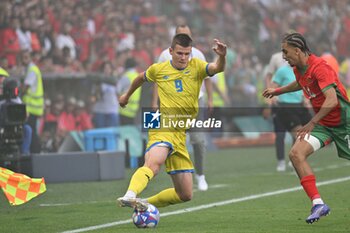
pixel 15 135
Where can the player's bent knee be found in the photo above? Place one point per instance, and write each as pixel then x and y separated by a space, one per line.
pixel 155 170
pixel 154 167
pixel 295 156
pixel 186 196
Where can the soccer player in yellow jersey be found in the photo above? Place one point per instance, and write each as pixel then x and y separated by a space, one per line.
pixel 179 81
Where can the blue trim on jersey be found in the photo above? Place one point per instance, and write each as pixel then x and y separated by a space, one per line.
pixel 171 62
pixel 181 171
pixel 207 71
pixel 145 77
pixel 156 143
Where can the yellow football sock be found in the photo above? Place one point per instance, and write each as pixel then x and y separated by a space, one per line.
pixel 140 179
pixel 165 198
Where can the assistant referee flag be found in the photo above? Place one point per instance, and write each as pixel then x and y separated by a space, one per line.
pixel 19 188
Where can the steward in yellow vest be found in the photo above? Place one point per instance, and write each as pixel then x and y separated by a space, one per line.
pixel 3 75
pixel 128 115
pixel 34 100
pixel 219 90
pixel 33 97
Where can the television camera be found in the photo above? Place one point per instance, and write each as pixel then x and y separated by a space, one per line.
pixel 12 118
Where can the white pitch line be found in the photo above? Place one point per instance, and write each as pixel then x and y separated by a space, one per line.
pixel 221 203
pixel 330 167
pixel 73 203
pixel 215 186
pixel 335 166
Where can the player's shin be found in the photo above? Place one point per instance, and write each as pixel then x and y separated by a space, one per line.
pixel 165 198
pixel 140 180
pixel 309 185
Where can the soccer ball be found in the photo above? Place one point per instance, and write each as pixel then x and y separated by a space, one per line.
pixel 146 219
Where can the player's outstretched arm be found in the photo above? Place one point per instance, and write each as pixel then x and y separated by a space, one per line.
pixel 218 66
pixel 138 81
pixel 271 92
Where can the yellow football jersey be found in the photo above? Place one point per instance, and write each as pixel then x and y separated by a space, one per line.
pixel 178 90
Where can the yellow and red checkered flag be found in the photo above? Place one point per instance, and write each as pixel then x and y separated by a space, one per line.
pixel 19 188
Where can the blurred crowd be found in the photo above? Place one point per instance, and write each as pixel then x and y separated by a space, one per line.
pixel 70 37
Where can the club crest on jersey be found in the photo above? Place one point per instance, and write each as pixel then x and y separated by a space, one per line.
pixel 309 80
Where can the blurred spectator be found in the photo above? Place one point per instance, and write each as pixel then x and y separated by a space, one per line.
pixel 73 118
pixel 141 55
pixel 34 39
pixel 325 52
pixel 48 127
pixel 47 65
pixel 82 117
pixel 45 36
pixel 24 35
pixel 67 63
pixel 104 31
pixel 83 40
pixel 64 39
pixel 49 124
pixel 344 73
pixel 106 108
pixel 246 84
pixel 47 118
pixel 4 63
pixel 127 39
pixel 66 120
pixel 10 46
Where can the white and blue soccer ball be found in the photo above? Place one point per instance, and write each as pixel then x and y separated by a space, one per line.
pixel 146 219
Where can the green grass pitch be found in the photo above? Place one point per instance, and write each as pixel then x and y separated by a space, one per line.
pixel 239 176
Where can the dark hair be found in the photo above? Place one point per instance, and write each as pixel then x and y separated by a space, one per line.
pixel 26 51
pixel 103 65
pixel 181 39
pixel 130 63
pixel 297 40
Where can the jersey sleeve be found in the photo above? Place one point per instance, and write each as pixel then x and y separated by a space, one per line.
pixel 202 67
pixel 325 76
pixel 150 74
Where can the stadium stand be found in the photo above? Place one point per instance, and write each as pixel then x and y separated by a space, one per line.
pixel 71 39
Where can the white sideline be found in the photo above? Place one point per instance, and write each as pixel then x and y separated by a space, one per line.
pixel 214 186
pixel 221 203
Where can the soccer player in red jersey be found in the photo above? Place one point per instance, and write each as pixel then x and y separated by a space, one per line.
pixel 328 98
